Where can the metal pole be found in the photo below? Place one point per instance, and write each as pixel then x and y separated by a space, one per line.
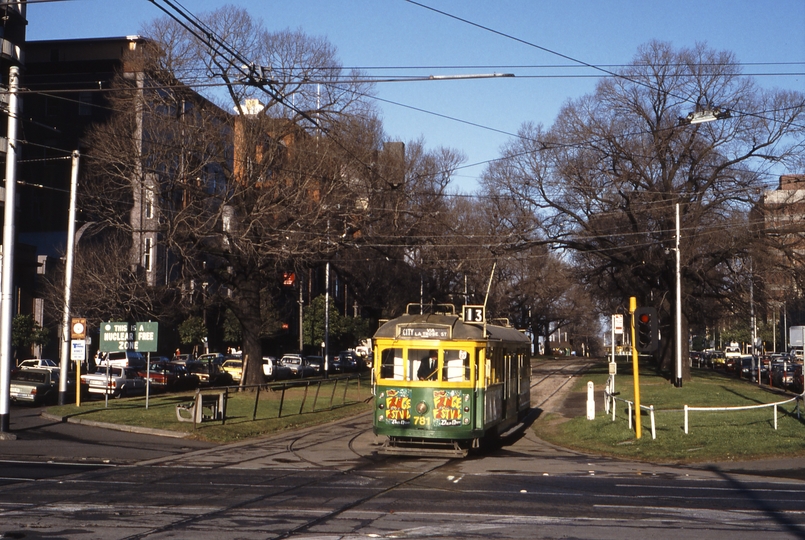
pixel 635 371
pixel 68 284
pixel 678 314
pixel 326 318
pixel 301 316
pixel 8 250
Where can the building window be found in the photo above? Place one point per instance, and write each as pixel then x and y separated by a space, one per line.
pixel 85 104
pixel 148 254
pixel 51 106
pixel 149 204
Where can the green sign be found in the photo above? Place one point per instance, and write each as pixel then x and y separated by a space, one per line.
pixel 146 336
pixel 122 336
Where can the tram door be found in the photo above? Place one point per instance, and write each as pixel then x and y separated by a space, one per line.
pixel 511 390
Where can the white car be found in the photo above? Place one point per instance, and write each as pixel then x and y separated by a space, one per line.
pixel 274 370
pixel 39 363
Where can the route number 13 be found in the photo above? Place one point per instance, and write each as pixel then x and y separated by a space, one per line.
pixel 474 314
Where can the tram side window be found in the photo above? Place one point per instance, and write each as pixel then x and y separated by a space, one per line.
pixel 392 365
pixel 456 366
pixel 498 368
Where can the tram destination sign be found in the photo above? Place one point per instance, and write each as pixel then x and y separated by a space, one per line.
pixel 124 336
pixel 423 331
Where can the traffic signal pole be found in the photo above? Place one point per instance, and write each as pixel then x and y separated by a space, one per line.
pixel 636 374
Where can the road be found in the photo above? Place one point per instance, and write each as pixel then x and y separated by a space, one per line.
pixel 328 483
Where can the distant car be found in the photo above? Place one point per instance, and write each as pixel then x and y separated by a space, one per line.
pixel 169 377
pixel 298 365
pixel 38 363
pixel 121 382
pixel 783 375
pixel 215 358
pixel 210 374
pixel 317 363
pixel 234 367
pixel 123 359
pixel 273 370
pixel 348 361
pixel 34 385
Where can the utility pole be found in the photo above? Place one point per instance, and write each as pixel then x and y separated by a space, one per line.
pixel 8 250
pixel 68 285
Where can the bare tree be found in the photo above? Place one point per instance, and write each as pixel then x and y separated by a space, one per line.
pixel 606 177
pixel 234 199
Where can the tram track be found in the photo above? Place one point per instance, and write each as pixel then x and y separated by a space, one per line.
pixel 555 381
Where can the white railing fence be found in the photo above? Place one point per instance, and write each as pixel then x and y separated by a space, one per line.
pixel 774 405
pixel 610 400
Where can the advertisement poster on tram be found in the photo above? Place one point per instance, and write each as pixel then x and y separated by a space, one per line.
pixel 447 408
pixel 398 406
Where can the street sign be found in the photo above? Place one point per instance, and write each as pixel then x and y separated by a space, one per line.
pixel 116 336
pixel 78 350
pixel 78 328
pixel 617 323
pixel 122 336
pixel 146 336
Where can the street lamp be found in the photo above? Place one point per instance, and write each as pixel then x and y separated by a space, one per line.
pixel 706 115
pixel 697 117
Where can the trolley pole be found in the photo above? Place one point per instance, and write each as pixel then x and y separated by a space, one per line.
pixel 636 374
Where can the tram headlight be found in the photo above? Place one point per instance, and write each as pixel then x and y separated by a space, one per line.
pixel 421 407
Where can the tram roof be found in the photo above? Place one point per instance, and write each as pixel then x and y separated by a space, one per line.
pixel 459 329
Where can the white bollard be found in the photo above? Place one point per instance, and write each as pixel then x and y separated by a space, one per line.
pixel 590 401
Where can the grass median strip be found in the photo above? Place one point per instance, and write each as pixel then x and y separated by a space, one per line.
pixel 246 415
pixel 713 435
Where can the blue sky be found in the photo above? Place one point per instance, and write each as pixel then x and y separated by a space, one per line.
pixel 476 116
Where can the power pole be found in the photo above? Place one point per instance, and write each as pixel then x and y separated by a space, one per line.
pixel 9 228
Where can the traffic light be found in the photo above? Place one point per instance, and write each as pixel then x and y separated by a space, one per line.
pixel 647 333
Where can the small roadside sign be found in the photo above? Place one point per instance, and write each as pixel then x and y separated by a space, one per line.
pixel 78 350
pixel 617 323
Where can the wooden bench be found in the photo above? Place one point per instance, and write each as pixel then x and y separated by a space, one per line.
pixel 203 408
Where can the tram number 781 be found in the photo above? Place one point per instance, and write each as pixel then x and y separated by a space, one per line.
pixel 422 421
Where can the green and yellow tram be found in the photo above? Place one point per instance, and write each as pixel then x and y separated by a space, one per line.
pixel 443 383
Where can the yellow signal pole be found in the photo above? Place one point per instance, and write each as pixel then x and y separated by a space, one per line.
pixel 638 427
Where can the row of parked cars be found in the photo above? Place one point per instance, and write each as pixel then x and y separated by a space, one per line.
pixel 121 374
pixel 779 370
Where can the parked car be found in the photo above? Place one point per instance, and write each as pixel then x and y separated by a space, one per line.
pixel 348 361
pixel 298 365
pixel 35 385
pixel 39 363
pixel 120 381
pixel 234 367
pixel 798 385
pixel 782 375
pixel 182 358
pixel 743 367
pixel 273 370
pixel 210 374
pixel 316 363
pixel 215 358
pixel 123 359
pixel 170 377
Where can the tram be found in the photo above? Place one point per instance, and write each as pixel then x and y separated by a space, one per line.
pixel 443 383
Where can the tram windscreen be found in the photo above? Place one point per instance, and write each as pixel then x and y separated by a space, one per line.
pixel 456 366
pixel 392 365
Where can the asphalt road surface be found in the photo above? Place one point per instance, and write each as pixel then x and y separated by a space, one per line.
pixel 329 483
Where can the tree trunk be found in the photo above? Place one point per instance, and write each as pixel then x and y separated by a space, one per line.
pixel 246 308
